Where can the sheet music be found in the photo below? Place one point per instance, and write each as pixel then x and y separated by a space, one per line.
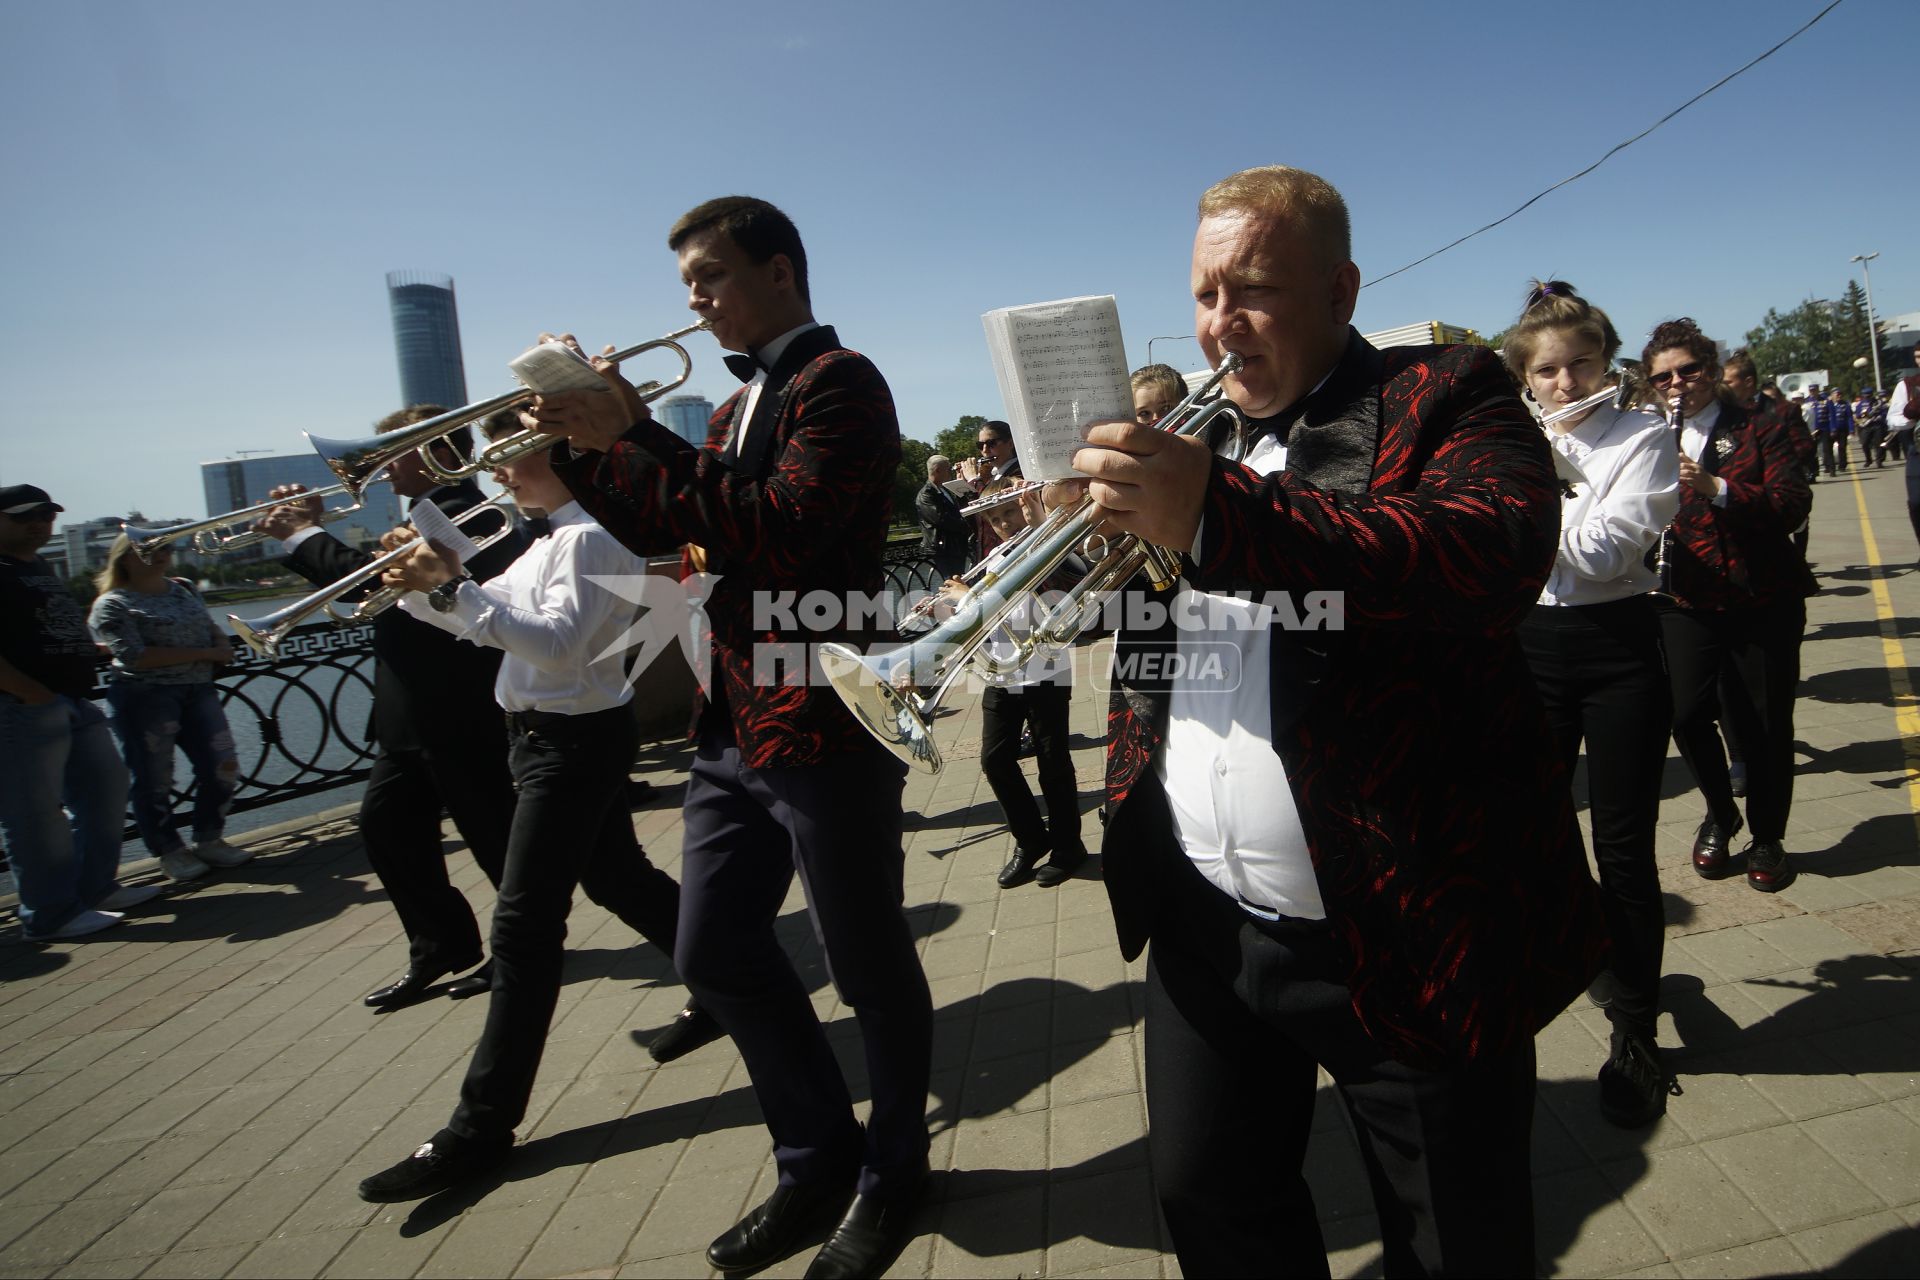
pixel 1061 366
pixel 434 526
pixel 553 367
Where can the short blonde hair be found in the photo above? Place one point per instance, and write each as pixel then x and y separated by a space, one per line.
pixel 1163 378
pixel 1292 194
pixel 114 573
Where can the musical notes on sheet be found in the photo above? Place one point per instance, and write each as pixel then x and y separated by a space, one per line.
pixel 1061 366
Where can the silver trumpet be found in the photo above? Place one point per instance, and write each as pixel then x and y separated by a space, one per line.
pixel 358 461
pixel 880 689
pixel 264 634
pixel 206 536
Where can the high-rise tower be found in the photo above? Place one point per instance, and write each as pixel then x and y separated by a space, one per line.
pixel 426 339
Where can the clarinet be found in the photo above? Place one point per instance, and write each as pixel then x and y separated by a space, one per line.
pixel 1662 562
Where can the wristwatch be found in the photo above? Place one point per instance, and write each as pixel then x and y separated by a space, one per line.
pixel 442 596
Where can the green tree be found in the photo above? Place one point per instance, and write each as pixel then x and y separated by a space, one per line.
pixel 962 439
pixel 907 481
pixel 1815 335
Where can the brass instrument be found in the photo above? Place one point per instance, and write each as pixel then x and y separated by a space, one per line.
pixel 264 634
pixel 911 620
pixel 206 536
pixel 879 689
pixel 358 461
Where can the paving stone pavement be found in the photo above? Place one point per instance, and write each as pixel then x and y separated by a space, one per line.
pixel 197 1092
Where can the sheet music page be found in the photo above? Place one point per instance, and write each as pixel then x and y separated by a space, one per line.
pixel 1061 366
pixel 553 367
pixel 434 526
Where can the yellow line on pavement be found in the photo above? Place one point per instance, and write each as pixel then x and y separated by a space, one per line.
pixel 1906 709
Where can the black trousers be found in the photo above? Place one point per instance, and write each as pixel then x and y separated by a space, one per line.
pixel 570 828
pixel 1599 671
pixel 1761 648
pixel 1829 445
pixel 837 824
pixel 400 824
pixel 1002 713
pixel 1239 1013
pixel 1913 485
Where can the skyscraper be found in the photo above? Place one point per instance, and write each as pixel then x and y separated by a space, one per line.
pixel 426 338
pixel 686 417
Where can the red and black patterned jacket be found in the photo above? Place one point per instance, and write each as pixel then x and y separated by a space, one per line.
pixel 1441 826
pixel 804 508
pixel 1742 555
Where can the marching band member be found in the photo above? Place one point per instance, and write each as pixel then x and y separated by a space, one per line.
pixel 1363 854
pixel 1593 644
pixel 1739 607
pixel 439 744
pixel 788 497
pixel 1036 697
pixel 565 694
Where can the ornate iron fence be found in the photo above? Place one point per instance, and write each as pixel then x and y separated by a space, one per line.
pixel 301 720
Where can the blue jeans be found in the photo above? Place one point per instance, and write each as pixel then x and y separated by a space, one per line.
pixel 60 755
pixel 151 720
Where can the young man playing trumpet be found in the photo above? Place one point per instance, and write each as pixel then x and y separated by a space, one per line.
pixel 565 693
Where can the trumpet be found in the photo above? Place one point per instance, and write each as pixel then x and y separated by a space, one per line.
pixel 358 461
pixel 909 621
pixel 1001 499
pixel 206 536
pixel 264 634
pixel 879 690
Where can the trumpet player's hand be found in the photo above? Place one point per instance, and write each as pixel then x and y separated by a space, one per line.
pixel 430 565
pixel 299 510
pixel 590 421
pixel 398 537
pixel 1703 482
pixel 1149 482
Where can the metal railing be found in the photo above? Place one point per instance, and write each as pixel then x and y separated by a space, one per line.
pixel 302 720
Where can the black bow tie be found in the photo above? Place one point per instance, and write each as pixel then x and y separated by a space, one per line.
pixel 745 368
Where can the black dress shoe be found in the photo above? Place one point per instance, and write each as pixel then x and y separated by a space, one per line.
pixel 412 984
pixel 1710 847
pixel 778 1226
pixel 444 1160
pixel 1633 1084
pixel 1019 868
pixel 866 1242
pixel 690 1028
pixel 1060 867
pixel 1767 867
pixel 477 983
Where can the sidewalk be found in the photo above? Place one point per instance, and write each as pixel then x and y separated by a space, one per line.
pixel 197 1092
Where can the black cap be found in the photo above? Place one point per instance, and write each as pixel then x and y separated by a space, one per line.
pixel 20 499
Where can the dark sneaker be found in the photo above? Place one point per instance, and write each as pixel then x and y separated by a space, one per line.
pixel 1710 847
pixel 1633 1084
pixel 1767 867
pixel 1019 868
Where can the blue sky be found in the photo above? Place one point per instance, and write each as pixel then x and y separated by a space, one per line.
pixel 202 200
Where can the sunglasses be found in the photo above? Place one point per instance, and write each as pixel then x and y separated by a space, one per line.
pixel 987 442
pixel 1689 372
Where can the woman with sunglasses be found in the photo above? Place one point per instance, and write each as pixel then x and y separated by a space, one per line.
pixel 1739 602
pixel 1593 645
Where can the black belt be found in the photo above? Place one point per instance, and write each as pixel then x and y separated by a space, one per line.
pixel 522 721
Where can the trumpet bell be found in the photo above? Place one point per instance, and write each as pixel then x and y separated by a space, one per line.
pixel 890 715
pixel 262 639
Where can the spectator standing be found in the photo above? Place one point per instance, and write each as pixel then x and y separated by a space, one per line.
pixel 165 650
pixel 58 755
pixel 946 536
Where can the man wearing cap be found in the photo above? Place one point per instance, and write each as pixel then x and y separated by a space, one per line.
pixel 59 756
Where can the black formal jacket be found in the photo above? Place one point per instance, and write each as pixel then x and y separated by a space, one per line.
pixel 430 689
pixel 1440 822
pixel 943 530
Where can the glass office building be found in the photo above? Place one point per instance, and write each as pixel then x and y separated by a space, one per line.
pixel 241 482
pixel 686 417
pixel 426 339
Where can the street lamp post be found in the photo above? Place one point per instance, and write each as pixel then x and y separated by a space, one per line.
pixel 1165 337
pixel 1873 330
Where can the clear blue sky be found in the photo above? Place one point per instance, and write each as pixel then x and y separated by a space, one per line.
pixel 201 200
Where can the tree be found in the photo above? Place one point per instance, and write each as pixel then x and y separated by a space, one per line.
pixel 962 439
pixel 1815 335
pixel 907 481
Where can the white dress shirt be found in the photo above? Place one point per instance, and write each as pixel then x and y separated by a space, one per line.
pixel 766 357
pixel 1629 490
pixel 553 623
pixel 1694 434
pixel 1233 809
pixel 1901 415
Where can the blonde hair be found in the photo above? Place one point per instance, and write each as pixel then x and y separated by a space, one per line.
pixel 1306 199
pixel 1163 378
pixel 1552 306
pixel 114 573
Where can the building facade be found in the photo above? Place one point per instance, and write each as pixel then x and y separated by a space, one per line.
pixel 242 482
pixel 686 417
pixel 426 339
